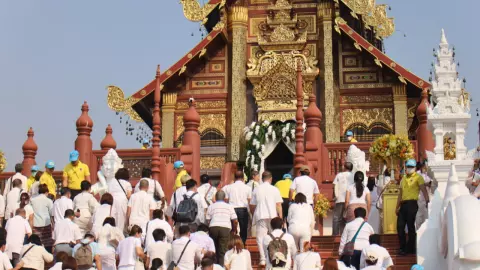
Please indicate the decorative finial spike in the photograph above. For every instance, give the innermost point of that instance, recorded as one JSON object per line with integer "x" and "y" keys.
{"x": 443, "y": 40}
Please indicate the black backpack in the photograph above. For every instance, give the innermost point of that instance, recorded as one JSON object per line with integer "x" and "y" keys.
{"x": 187, "y": 210}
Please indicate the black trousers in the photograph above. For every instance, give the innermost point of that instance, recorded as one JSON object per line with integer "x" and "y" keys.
{"x": 242, "y": 217}
{"x": 75, "y": 192}
{"x": 221, "y": 237}
{"x": 406, "y": 216}
{"x": 285, "y": 205}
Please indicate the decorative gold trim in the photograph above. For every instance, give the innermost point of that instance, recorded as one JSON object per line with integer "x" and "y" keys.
{"x": 194, "y": 12}
{"x": 367, "y": 117}
{"x": 143, "y": 92}
{"x": 212, "y": 163}
{"x": 202, "y": 105}
{"x": 182, "y": 70}
{"x": 202, "y": 52}
{"x": 207, "y": 121}
{"x": 117, "y": 102}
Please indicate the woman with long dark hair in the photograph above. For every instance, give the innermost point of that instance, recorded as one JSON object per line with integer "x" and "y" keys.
{"x": 374, "y": 215}
{"x": 357, "y": 196}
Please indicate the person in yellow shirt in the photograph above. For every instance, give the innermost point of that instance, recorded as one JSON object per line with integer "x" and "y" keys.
{"x": 74, "y": 174}
{"x": 47, "y": 178}
{"x": 284, "y": 187}
{"x": 349, "y": 136}
{"x": 31, "y": 178}
{"x": 179, "y": 167}
{"x": 410, "y": 186}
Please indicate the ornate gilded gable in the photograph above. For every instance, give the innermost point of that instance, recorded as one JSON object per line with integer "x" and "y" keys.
{"x": 278, "y": 83}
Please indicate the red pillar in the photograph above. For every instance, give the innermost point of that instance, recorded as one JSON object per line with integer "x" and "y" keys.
{"x": 156, "y": 129}
{"x": 299, "y": 147}
{"x": 29, "y": 149}
{"x": 108, "y": 142}
{"x": 191, "y": 138}
{"x": 83, "y": 143}
{"x": 314, "y": 137}
{"x": 424, "y": 136}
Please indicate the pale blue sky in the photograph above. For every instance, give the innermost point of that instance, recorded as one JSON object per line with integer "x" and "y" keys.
{"x": 55, "y": 54}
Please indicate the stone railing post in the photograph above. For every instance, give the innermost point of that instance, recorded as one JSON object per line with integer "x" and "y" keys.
{"x": 83, "y": 143}
{"x": 108, "y": 142}
{"x": 424, "y": 136}
{"x": 314, "y": 138}
{"x": 191, "y": 140}
{"x": 29, "y": 149}
{"x": 156, "y": 129}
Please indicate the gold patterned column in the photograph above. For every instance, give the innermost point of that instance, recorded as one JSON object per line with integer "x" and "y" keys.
{"x": 237, "y": 26}
{"x": 400, "y": 107}
{"x": 168, "y": 123}
{"x": 331, "y": 116}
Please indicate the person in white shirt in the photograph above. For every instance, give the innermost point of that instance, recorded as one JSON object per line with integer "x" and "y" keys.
{"x": 220, "y": 217}
{"x": 18, "y": 175}
{"x": 362, "y": 240}
{"x": 13, "y": 198}
{"x": 109, "y": 236}
{"x": 238, "y": 194}
{"x": 237, "y": 257}
{"x": 154, "y": 188}
{"x": 374, "y": 214}
{"x": 371, "y": 260}
{"x": 177, "y": 196}
{"x": 206, "y": 189}
{"x": 422, "y": 213}
{"x": 2, "y": 209}
{"x": 208, "y": 263}
{"x": 86, "y": 204}
{"x": 61, "y": 205}
{"x": 266, "y": 204}
{"x": 17, "y": 227}
{"x": 66, "y": 233}
{"x": 140, "y": 206}
{"x": 59, "y": 259}
{"x": 42, "y": 208}
{"x": 157, "y": 222}
{"x": 129, "y": 251}
{"x": 33, "y": 254}
{"x": 357, "y": 196}
{"x": 252, "y": 184}
{"x": 4, "y": 260}
{"x": 192, "y": 253}
{"x": 102, "y": 212}
{"x": 308, "y": 259}
{"x": 277, "y": 225}
{"x": 159, "y": 249}
{"x": 384, "y": 258}
{"x": 340, "y": 186}
{"x": 202, "y": 239}
{"x": 191, "y": 186}
{"x": 306, "y": 185}
{"x": 121, "y": 190}
{"x": 25, "y": 204}
{"x": 301, "y": 221}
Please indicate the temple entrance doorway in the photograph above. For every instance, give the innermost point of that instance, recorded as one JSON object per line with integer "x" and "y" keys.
{"x": 279, "y": 162}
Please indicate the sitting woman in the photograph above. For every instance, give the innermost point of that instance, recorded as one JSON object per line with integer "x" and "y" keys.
{"x": 237, "y": 258}
{"x": 357, "y": 196}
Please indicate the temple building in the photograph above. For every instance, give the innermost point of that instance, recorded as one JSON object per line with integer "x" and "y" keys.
{"x": 244, "y": 71}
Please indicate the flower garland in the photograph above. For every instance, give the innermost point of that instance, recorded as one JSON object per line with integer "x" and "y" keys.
{"x": 259, "y": 134}
{"x": 322, "y": 207}
{"x": 391, "y": 147}
{"x": 3, "y": 161}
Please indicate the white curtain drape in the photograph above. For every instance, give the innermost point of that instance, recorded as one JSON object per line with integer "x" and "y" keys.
{"x": 270, "y": 147}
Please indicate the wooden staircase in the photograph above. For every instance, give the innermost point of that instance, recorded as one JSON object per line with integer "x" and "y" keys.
{"x": 327, "y": 246}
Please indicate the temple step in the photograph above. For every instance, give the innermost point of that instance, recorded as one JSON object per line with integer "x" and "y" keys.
{"x": 327, "y": 247}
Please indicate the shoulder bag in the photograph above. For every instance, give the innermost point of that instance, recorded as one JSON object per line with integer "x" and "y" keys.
{"x": 120, "y": 184}
{"x": 350, "y": 246}
{"x": 174, "y": 265}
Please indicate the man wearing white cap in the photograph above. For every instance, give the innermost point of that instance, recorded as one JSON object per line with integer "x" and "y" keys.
{"x": 74, "y": 173}
{"x": 306, "y": 185}
{"x": 384, "y": 259}
{"x": 371, "y": 260}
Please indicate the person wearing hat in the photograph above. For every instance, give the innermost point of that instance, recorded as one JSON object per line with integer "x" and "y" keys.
{"x": 284, "y": 188}
{"x": 31, "y": 179}
{"x": 349, "y": 137}
{"x": 306, "y": 185}
{"x": 74, "y": 173}
{"x": 18, "y": 175}
{"x": 179, "y": 167}
{"x": 417, "y": 267}
{"x": 407, "y": 206}
{"x": 47, "y": 178}
{"x": 384, "y": 259}
{"x": 371, "y": 259}
{"x": 89, "y": 240}
{"x": 145, "y": 143}
{"x": 177, "y": 195}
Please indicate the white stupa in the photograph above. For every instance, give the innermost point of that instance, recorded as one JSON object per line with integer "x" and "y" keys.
{"x": 449, "y": 118}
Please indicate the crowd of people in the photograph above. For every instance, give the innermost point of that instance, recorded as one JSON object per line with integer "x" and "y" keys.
{"x": 204, "y": 226}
